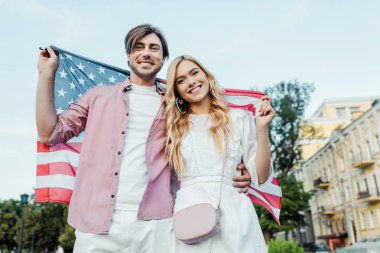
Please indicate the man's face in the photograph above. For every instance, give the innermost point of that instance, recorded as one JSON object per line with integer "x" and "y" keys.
{"x": 146, "y": 58}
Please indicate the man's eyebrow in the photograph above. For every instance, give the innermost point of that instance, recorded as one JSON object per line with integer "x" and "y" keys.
{"x": 154, "y": 44}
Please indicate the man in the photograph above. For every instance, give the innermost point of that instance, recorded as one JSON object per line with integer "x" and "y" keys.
{"x": 123, "y": 193}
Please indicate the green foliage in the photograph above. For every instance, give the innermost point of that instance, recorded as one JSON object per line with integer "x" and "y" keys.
{"x": 282, "y": 246}
{"x": 44, "y": 223}
{"x": 289, "y": 101}
{"x": 10, "y": 213}
{"x": 67, "y": 237}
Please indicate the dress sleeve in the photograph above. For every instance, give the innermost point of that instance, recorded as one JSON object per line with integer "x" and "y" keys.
{"x": 72, "y": 121}
{"x": 249, "y": 144}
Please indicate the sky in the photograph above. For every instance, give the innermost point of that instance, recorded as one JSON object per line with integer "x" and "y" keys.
{"x": 333, "y": 44}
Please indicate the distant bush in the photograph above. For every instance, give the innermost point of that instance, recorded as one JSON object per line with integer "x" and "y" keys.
{"x": 282, "y": 246}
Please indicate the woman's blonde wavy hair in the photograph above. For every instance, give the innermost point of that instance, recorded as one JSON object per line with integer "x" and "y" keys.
{"x": 177, "y": 124}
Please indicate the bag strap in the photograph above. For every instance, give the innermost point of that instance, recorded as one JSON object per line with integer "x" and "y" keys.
{"x": 223, "y": 166}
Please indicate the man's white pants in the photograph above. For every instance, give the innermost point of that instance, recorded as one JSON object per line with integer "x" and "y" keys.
{"x": 127, "y": 235}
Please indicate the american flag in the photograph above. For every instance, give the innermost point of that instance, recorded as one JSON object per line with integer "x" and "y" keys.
{"x": 56, "y": 165}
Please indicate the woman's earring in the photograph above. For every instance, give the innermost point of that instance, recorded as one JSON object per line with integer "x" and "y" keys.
{"x": 178, "y": 102}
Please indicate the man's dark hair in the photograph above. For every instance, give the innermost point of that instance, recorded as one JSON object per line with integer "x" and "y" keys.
{"x": 137, "y": 33}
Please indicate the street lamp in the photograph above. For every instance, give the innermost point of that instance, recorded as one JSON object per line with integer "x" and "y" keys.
{"x": 24, "y": 201}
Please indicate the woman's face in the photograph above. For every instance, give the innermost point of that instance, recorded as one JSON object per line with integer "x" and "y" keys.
{"x": 191, "y": 83}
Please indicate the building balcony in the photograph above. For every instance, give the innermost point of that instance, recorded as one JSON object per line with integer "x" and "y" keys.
{"x": 333, "y": 235}
{"x": 363, "y": 163}
{"x": 321, "y": 183}
{"x": 326, "y": 210}
{"x": 370, "y": 197}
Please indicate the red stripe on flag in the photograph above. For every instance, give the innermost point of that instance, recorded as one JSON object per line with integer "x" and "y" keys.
{"x": 68, "y": 146}
{"x": 56, "y": 168}
{"x": 275, "y": 181}
{"x": 246, "y": 93}
{"x": 273, "y": 200}
{"x": 258, "y": 201}
{"x": 42, "y": 147}
{"x": 59, "y": 195}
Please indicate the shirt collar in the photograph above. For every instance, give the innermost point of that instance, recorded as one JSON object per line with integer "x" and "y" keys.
{"x": 160, "y": 87}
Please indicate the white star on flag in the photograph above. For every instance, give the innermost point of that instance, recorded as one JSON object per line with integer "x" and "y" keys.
{"x": 63, "y": 74}
{"x": 72, "y": 86}
{"x": 59, "y": 110}
{"x": 112, "y": 79}
{"x": 72, "y": 70}
{"x": 101, "y": 83}
{"x": 81, "y": 81}
{"x": 101, "y": 70}
{"x": 91, "y": 76}
{"x": 61, "y": 92}
{"x": 80, "y": 66}
{"x": 68, "y": 56}
{"x": 70, "y": 102}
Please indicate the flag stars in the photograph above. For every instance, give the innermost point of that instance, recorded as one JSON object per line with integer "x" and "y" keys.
{"x": 68, "y": 56}
{"x": 72, "y": 86}
{"x": 112, "y": 79}
{"x": 79, "y": 95}
{"x": 70, "y": 102}
{"x": 80, "y": 66}
{"x": 91, "y": 76}
{"x": 59, "y": 110}
{"x": 61, "y": 93}
{"x": 72, "y": 70}
{"x": 101, "y": 70}
{"x": 63, "y": 74}
{"x": 81, "y": 81}
{"x": 101, "y": 83}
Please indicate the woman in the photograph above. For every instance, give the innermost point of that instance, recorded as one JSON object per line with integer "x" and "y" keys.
{"x": 200, "y": 126}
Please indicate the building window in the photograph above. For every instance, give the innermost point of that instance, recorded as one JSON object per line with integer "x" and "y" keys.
{"x": 369, "y": 150}
{"x": 362, "y": 220}
{"x": 376, "y": 184}
{"x": 341, "y": 112}
{"x": 360, "y": 153}
{"x": 352, "y": 154}
{"x": 354, "y": 109}
{"x": 378, "y": 142}
{"x": 371, "y": 220}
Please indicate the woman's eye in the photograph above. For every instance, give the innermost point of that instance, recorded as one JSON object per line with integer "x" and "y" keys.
{"x": 195, "y": 72}
{"x": 180, "y": 81}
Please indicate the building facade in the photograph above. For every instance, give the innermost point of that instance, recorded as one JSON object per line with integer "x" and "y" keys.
{"x": 345, "y": 175}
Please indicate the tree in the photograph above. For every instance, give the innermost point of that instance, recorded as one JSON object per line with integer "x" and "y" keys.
{"x": 289, "y": 101}
{"x": 46, "y": 221}
{"x": 10, "y": 213}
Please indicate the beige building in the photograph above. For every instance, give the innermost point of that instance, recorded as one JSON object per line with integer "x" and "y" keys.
{"x": 331, "y": 115}
{"x": 344, "y": 172}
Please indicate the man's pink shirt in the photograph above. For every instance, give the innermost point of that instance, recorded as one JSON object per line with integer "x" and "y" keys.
{"x": 103, "y": 113}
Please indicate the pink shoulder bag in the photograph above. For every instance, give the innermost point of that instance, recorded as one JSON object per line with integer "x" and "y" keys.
{"x": 199, "y": 222}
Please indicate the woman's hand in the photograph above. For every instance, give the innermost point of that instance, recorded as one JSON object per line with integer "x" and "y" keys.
{"x": 265, "y": 113}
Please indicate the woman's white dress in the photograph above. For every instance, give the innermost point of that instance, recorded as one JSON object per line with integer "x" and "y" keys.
{"x": 240, "y": 228}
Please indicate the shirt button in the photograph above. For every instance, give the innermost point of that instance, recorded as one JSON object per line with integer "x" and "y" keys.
{"x": 112, "y": 196}
{"x": 116, "y": 173}
{"x": 123, "y": 132}
{"x": 119, "y": 153}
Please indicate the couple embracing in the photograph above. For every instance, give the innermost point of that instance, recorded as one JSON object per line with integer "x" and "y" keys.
{"x": 141, "y": 138}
